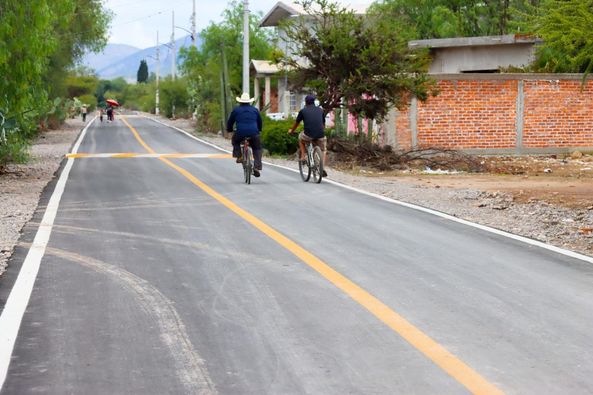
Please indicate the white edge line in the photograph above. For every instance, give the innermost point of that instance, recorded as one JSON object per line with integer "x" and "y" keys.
{"x": 16, "y": 304}
{"x": 499, "y": 232}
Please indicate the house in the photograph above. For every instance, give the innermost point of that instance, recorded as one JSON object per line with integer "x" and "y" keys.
{"x": 487, "y": 54}
{"x": 288, "y": 101}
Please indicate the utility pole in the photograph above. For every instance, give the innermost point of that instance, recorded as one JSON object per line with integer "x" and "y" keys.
{"x": 158, "y": 69}
{"x": 173, "y": 60}
{"x": 193, "y": 26}
{"x": 246, "y": 46}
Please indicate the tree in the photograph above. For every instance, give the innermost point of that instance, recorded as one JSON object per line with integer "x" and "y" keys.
{"x": 79, "y": 26}
{"x": 565, "y": 27}
{"x": 142, "y": 75}
{"x": 454, "y": 18}
{"x": 39, "y": 41}
{"x": 360, "y": 63}
{"x": 211, "y": 84}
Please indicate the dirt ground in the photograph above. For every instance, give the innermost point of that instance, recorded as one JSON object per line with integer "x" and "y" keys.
{"x": 560, "y": 180}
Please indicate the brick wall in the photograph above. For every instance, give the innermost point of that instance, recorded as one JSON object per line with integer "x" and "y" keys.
{"x": 558, "y": 114}
{"x": 501, "y": 113}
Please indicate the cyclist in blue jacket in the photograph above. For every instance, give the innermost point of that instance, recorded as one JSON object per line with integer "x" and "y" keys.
{"x": 249, "y": 124}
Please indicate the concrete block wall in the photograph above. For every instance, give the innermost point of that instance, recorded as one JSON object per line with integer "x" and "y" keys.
{"x": 500, "y": 114}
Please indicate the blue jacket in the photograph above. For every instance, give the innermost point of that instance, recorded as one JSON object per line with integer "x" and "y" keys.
{"x": 248, "y": 120}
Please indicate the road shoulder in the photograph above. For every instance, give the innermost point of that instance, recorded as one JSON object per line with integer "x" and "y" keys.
{"x": 22, "y": 184}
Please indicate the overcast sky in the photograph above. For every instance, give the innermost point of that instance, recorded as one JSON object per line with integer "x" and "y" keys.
{"x": 136, "y": 22}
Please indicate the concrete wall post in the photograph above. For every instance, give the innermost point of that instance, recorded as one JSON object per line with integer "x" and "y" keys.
{"x": 520, "y": 110}
{"x": 414, "y": 121}
{"x": 256, "y": 92}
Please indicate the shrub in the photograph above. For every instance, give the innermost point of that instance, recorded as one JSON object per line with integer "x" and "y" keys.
{"x": 174, "y": 93}
{"x": 14, "y": 149}
{"x": 89, "y": 100}
{"x": 275, "y": 137}
{"x": 209, "y": 117}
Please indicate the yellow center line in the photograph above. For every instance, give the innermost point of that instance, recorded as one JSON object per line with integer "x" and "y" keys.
{"x": 456, "y": 368}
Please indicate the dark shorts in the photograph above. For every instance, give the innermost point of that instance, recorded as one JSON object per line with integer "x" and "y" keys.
{"x": 318, "y": 142}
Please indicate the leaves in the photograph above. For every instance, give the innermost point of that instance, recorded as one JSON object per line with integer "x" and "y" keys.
{"x": 565, "y": 27}
{"x": 142, "y": 75}
{"x": 211, "y": 85}
{"x": 361, "y": 63}
{"x": 39, "y": 41}
{"x": 454, "y": 18}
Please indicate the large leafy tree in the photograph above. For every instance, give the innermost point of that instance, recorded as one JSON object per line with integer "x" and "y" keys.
{"x": 24, "y": 56}
{"x": 39, "y": 41}
{"x": 361, "y": 63}
{"x": 79, "y": 26}
{"x": 455, "y": 18}
{"x": 565, "y": 27}
{"x": 214, "y": 71}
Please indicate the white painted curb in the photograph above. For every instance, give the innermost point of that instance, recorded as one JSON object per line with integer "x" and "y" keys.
{"x": 16, "y": 304}
{"x": 499, "y": 232}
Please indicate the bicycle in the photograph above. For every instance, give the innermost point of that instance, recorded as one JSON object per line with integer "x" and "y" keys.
{"x": 247, "y": 159}
{"x": 313, "y": 164}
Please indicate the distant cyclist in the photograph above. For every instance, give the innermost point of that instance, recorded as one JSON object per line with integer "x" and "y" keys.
{"x": 314, "y": 128}
{"x": 249, "y": 124}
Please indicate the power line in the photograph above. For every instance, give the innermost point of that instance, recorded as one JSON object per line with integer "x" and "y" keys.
{"x": 138, "y": 19}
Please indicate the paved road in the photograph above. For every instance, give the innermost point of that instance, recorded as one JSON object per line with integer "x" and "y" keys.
{"x": 172, "y": 276}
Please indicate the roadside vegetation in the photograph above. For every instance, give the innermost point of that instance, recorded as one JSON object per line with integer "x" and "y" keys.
{"x": 41, "y": 40}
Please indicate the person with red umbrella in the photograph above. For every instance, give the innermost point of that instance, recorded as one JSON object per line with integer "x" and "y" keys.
{"x": 112, "y": 103}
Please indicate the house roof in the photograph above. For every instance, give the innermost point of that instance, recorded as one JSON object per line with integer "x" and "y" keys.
{"x": 279, "y": 12}
{"x": 474, "y": 41}
{"x": 285, "y": 9}
{"x": 263, "y": 67}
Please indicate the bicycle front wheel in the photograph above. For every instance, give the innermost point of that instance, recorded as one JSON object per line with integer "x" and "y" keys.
{"x": 317, "y": 165}
{"x": 248, "y": 164}
{"x": 305, "y": 169}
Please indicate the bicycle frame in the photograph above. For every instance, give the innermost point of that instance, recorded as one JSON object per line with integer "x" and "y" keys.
{"x": 247, "y": 162}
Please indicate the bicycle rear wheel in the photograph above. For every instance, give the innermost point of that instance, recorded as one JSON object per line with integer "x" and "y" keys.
{"x": 305, "y": 169}
{"x": 247, "y": 164}
{"x": 317, "y": 165}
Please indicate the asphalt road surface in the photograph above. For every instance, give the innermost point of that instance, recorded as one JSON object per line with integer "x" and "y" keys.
{"x": 166, "y": 274}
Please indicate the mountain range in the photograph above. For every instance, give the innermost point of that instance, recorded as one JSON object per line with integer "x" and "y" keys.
{"x": 120, "y": 60}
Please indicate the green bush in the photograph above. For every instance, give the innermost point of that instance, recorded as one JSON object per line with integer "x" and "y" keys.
{"x": 174, "y": 93}
{"x": 139, "y": 97}
{"x": 275, "y": 137}
{"x": 14, "y": 149}
{"x": 90, "y": 101}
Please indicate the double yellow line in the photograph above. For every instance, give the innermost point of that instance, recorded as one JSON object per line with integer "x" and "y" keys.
{"x": 457, "y": 369}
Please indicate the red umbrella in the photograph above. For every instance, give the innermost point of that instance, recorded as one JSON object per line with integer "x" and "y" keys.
{"x": 113, "y": 102}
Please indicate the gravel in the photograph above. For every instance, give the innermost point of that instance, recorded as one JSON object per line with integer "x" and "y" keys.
{"x": 21, "y": 187}
{"x": 21, "y": 184}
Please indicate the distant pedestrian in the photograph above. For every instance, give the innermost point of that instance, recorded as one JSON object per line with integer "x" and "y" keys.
{"x": 101, "y": 114}
{"x": 110, "y": 113}
{"x": 83, "y": 111}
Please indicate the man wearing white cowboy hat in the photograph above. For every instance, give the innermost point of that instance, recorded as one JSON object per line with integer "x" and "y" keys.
{"x": 249, "y": 124}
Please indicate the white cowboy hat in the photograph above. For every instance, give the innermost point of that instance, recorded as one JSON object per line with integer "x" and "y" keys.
{"x": 245, "y": 98}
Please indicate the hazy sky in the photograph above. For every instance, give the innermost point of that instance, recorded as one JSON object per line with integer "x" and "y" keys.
{"x": 136, "y": 21}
